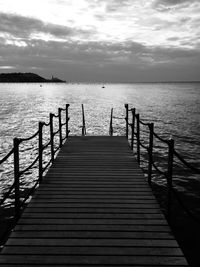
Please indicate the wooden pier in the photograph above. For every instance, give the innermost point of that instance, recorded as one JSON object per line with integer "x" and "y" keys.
{"x": 93, "y": 208}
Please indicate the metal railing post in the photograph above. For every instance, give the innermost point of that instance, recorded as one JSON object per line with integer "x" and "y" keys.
{"x": 51, "y": 136}
{"x": 150, "y": 151}
{"x": 126, "y": 119}
{"x": 60, "y": 126}
{"x": 138, "y": 137}
{"x": 16, "y": 142}
{"x": 169, "y": 175}
{"x": 67, "y": 121}
{"x": 40, "y": 151}
{"x": 132, "y": 127}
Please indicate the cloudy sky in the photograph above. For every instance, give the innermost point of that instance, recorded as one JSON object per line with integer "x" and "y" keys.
{"x": 102, "y": 40}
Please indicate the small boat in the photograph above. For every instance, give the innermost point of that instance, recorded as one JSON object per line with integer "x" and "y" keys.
{"x": 103, "y": 86}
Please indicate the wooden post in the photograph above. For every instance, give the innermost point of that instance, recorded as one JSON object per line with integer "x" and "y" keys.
{"x": 169, "y": 175}
{"x": 83, "y": 118}
{"x": 132, "y": 127}
{"x": 51, "y": 137}
{"x": 138, "y": 137}
{"x": 151, "y": 129}
{"x": 40, "y": 151}
{"x": 126, "y": 119}
{"x": 60, "y": 126}
{"x": 67, "y": 121}
{"x": 111, "y": 119}
{"x": 16, "y": 142}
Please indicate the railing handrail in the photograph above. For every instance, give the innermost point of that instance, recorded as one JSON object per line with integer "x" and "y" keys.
{"x": 7, "y": 156}
{"x": 28, "y": 138}
{"x": 15, "y": 151}
{"x": 187, "y": 164}
{"x": 160, "y": 138}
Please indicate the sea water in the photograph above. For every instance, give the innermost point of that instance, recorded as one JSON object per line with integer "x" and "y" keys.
{"x": 173, "y": 107}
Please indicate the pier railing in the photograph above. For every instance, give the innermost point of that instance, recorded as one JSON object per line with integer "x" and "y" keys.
{"x": 149, "y": 146}
{"x": 42, "y": 167}
{"x": 133, "y": 125}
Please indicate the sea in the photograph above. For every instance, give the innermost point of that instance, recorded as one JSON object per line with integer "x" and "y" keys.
{"x": 174, "y": 108}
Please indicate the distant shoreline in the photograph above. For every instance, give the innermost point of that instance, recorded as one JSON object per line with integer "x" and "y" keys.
{"x": 35, "y": 78}
{"x": 26, "y": 78}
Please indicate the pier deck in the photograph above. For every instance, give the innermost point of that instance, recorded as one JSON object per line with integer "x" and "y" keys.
{"x": 93, "y": 208}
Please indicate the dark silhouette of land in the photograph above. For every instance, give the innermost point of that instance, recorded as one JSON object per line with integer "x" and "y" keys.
{"x": 26, "y": 78}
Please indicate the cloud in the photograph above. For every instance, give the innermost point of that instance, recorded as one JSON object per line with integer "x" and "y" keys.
{"x": 18, "y": 26}
{"x": 168, "y": 5}
{"x": 100, "y": 61}
{"x": 7, "y": 67}
{"x": 90, "y": 54}
{"x": 174, "y": 2}
{"x": 24, "y": 27}
{"x": 94, "y": 54}
{"x": 117, "y": 5}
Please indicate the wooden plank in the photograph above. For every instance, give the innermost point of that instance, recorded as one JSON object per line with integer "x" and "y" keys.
{"x": 95, "y": 183}
{"x": 58, "y": 186}
{"x": 54, "y": 215}
{"x": 110, "y": 242}
{"x": 105, "y": 197}
{"x": 92, "y": 227}
{"x": 91, "y": 221}
{"x": 92, "y": 205}
{"x": 91, "y": 192}
{"x": 95, "y": 189}
{"x": 97, "y": 201}
{"x": 93, "y": 210}
{"x": 91, "y": 234}
{"x": 94, "y": 260}
{"x": 129, "y": 251}
{"x": 78, "y": 265}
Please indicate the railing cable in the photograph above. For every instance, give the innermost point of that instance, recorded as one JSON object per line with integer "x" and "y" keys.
{"x": 7, "y": 156}
{"x": 194, "y": 169}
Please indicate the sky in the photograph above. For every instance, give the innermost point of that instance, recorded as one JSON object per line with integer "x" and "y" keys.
{"x": 102, "y": 40}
